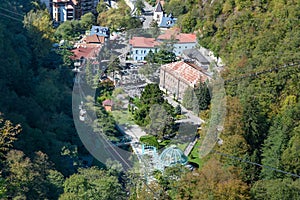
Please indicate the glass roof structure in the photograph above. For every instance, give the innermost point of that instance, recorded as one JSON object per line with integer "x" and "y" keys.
{"x": 172, "y": 156}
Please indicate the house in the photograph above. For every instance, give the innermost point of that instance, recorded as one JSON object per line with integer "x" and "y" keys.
{"x": 100, "y": 31}
{"x": 141, "y": 46}
{"x": 86, "y": 53}
{"x": 163, "y": 20}
{"x": 176, "y": 77}
{"x": 194, "y": 54}
{"x": 107, "y": 104}
{"x": 181, "y": 41}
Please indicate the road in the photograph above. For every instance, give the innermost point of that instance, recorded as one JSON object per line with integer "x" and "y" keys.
{"x": 148, "y": 18}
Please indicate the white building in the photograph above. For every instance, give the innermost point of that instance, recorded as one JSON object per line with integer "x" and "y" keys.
{"x": 63, "y": 10}
{"x": 181, "y": 41}
{"x": 140, "y": 47}
{"x": 158, "y": 13}
{"x": 163, "y": 19}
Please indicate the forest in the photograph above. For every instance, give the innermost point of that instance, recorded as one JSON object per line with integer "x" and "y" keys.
{"x": 259, "y": 158}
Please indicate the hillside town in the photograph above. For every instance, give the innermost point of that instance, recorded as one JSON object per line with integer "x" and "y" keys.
{"x": 176, "y": 65}
{"x": 149, "y": 99}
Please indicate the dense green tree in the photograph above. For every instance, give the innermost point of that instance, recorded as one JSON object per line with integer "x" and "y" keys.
{"x": 150, "y": 57}
{"x": 87, "y": 20}
{"x": 152, "y": 95}
{"x": 175, "y": 7}
{"x": 8, "y": 133}
{"x": 92, "y": 183}
{"x": 149, "y": 140}
{"x": 203, "y": 95}
{"x": 101, "y": 7}
{"x": 114, "y": 66}
{"x": 188, "y": 98}
{"x": 161, "y": 122}
{"x": 187, "y": 23}
{"x": 281, "y": 133}
{"x": 118, "y": 18}
{"x": 164, "y": 57}
{"x": 70, "y": 30}
{"x": 139, "y": 5}
{"x": 212, "y": 181}
{"x": 276, "y": 189}
{"x": 149, "y": 102}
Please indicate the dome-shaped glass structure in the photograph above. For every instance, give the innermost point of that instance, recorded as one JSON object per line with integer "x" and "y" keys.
{"x": 172, "y": 156}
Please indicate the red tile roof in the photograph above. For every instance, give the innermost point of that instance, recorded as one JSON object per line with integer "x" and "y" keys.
{"x": 95, "y": 39}
{"x": 143, "y": 42}
{"x": 180, "y": 37}
{"x": 85, "y": 52}
{"x": 187, "y": 72}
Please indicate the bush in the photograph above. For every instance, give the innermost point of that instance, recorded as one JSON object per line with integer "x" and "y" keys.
{"x": 149, "y": 140}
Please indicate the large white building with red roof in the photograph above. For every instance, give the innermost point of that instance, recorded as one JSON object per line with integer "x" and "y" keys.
{"x": 176, "y": 77}
{"x": 140, "y": 46}
{"x": 182, "y": 41}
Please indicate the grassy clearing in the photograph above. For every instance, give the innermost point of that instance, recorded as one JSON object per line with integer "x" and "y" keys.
{"x": 194, "y": 155}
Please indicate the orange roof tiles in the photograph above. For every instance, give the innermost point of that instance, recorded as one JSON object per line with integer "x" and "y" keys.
{"x": 85, "y": 52}
{"x": 187, "y": 72}
{"x": 181, "y": 37}
{"x": 94, "y": 39}
{"x": 143, "y": 42}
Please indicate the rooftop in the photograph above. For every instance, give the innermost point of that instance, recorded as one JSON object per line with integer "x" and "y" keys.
{"x": 158, "y": 7}
{"x": 195, "y": 54}
{"x": 107, "y": 102}
{"x": 143, "y": 42}
{"x": 188, "y": 72}
{"x": 167, "y": 22}
{"x": 100, "y": 30}
{"x": 181, "y": 37}
{"x": 85, "y": 51}
{"x": 95, "y": 39}
{"x": 172, "y": 156}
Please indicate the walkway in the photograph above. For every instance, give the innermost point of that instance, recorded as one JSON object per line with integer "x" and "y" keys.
{"x": 191, "y": 117}
{"x": 190, "y": 147}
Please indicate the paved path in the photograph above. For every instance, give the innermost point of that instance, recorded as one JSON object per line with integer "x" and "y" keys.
{"x": 189, "y": 148}
{"x": 148, "y": 18}
{"x": 191, "y": 117}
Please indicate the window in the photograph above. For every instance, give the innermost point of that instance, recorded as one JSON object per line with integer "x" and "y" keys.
{"x": 136, "y": 51}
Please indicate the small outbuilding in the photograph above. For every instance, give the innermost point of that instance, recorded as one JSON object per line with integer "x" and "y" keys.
{"x": 107, "y": 104}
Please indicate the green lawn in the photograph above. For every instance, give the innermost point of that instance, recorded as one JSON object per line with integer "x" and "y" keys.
{"x": 182, "y": 146}
{"x": 194, "y": 155}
